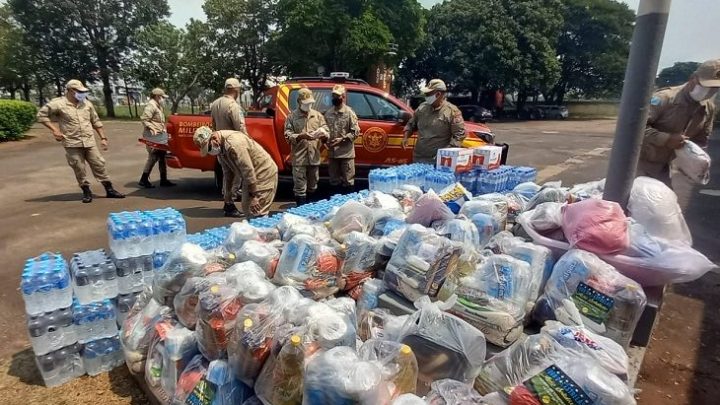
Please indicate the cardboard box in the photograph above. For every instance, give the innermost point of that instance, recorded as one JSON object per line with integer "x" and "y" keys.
{"x": 487, "y": 157}
{"x": 456, "y": 160}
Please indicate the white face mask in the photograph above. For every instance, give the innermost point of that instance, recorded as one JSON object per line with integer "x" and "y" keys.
{"x": 214, "y": 149}
{"x": 305, "y": 107}
{"x": 80, "y": 97}
{"x": 431, "y": 99}
{"x": 700, "y": 93}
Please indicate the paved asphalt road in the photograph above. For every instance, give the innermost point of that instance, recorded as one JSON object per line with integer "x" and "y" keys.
{"x": 41, "y": 210}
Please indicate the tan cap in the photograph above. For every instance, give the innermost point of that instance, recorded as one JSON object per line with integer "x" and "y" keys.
{"x": 77, "y": 86}
{"x": 232, "y": 83}
{"x": 202, "y": 139}
{"x": 158, "y": 92}
{"x": 338, "y": 89}
{"x": 305, "y": 96}
{"x": 709, "y": 73}
{"x": 434, "y": 85}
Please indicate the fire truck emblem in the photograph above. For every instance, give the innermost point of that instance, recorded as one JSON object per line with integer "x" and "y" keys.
{"x": 374, "y": 140}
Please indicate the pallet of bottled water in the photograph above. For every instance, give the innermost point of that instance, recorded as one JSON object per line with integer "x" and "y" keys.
{"x": 97, "y": 320}
{"x": 103, "y": 355}
{"x": 45, "y": 284}
{"x": 94, "y": 276}
{"x": 141, "y": 233}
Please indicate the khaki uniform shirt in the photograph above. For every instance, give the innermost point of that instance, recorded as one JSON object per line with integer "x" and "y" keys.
{"x": 304, "y": 152}
{"x": 673, "y": 111}
{"x": 77, "y": 123}
{"x": 437, "y": 128}
{"x": 343, "y": 124}
{"x": 153, "y": 118}
{"x": 246, "y": 158}
{"x": 227, "y": 114}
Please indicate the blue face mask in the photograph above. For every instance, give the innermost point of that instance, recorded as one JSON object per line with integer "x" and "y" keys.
{"x": 80, "y": 97}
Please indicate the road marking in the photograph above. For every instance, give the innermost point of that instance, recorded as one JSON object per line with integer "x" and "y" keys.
{"x": 550, "y": 132}
{"x": 554, "y": 170}
{"x": 712, "y": 193}
{"x": 34, "y": 215}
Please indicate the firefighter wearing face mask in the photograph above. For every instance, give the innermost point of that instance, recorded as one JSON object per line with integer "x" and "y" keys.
{"x": 438, "y": 122}
{"x": 72, "y": 120}
{"x": 240, "y": 156}
{"x": 678, "y": 114}
{"x": 153, "y": 119}
{"x": 305, "y": 128}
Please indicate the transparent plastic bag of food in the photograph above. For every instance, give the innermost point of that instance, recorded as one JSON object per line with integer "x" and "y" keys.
{"x": 187, "y": 261}
{"x": 444, "y": 345}
{"x": 351, "y": 217}
{"x": 655, "y": 206}
{"x": 584, "y": 290}
{"x": 397, "y": 362}
{"x": 310, "y": 266}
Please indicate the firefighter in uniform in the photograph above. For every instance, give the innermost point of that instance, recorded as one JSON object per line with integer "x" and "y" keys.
{"x": 678, "y": 114}
{"x": 305, "y": 128}
{"x": 72, "y": 120}
{"x": 344, "y": 129}
{"x": 240, "y": 156}
{"x": 226, "y": 114}
{"x": 438, "y": 122}
{"x": 153, "y": 119}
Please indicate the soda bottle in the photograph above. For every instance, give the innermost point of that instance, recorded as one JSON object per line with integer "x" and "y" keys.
{"x": 288, "y": 374}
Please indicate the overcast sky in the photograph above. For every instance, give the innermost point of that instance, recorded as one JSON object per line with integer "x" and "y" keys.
{"x": 692, "y": 33}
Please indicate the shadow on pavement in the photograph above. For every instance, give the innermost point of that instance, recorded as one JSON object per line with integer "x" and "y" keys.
{"x": 22, "y": 366}
{"x": 186, "y": 188}
{"x": 204, "y": 212}
{"x": 60, "y": 197}
{"x": 703, "y": 217}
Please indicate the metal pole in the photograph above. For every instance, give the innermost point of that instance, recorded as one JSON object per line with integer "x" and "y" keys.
{"x": 639, "y": 84}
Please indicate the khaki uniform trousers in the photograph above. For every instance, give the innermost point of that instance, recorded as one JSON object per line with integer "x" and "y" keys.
{"x": 305, "y": 179}
{"x": 342, "y": 172}
{"x": 266, "y": 197}
{"x": 76, "y": 158}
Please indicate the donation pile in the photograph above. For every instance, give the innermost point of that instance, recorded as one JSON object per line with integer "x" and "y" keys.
{"x": 415, "y": 292}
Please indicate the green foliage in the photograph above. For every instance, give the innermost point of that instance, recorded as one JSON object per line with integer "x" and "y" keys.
{"x": 16, "y": 117}
{"x": 167, "y": 57}
{"x": 238, "y": 34}
{"x": 345, "y": 35}
{"x": 477, "y": 44}
{"x": 593, "y": 48}
{"x": 677, "y": 74}
{"x": 90, "y": 34}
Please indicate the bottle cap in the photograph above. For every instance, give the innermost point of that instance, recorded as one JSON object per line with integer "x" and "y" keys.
{"x": 247, "y": 323}
{"x": 405, "y": 350}
{"x": 295, "y": 340}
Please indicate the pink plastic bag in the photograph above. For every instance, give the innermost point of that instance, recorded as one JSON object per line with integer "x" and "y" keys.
{"x": 597, "y": 226}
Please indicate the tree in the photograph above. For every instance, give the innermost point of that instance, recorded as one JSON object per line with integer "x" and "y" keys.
{"x": 104, "y": 29}
{"x": 167, "y": 57}
{"x": 347, "y": 35}
{"x": 593, "y": 48}
{"x": 677, "y": 74}
{"x": 238, "y": 38}
{"x": 536, "y": 26}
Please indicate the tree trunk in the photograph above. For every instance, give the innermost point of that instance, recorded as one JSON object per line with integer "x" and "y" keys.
{"x": 12, "y": 93}
{"x": 560, "y": 97}
{"x": 129, "y": 101}
{"x": 474, "y": 94}
{"x": 108, "y": 92}
{"x": 192, "y": 106}
{"x": 175, "y": 105}
{"x": 26, "y": 91}
{"x": 58, "y": 87}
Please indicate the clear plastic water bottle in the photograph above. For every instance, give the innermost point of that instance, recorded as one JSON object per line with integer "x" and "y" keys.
{"x": 61, "y": 366}
{"x": 51, "y": 331}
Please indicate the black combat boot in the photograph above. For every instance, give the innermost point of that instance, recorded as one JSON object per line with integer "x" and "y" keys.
{"x": 164, "y": 182}
{"x": 110, "y": 191}
{"x": 300, "y": 200}
{"x": 347, "y": 189}
{"x": 87, "y": 194}
{"x": 145, "y": 182}
{"x": 232, "y": 211}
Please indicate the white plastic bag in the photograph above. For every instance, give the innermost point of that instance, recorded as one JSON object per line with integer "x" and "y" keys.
{"x": 584, "y": 290}
{"x": 693, "y": 162}
{"x": 547, "y": 216}
{"x": 445, "y": 345}
{"x": 351, "y": 217}
{"x": 654, "y": 205}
